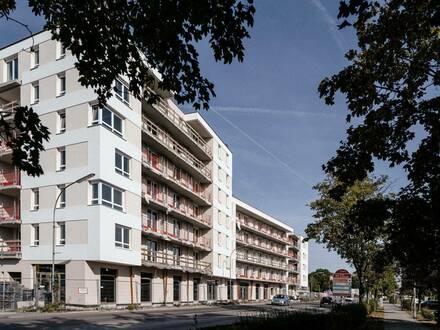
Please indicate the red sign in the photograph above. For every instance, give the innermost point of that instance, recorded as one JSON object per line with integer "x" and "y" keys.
{"x": 342, "y": 283}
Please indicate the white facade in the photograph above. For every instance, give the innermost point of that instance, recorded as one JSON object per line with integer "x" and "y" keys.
{"x": 304, "y": 264}
{"x": 157, "y": 220}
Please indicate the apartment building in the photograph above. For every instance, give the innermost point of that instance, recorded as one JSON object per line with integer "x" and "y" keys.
{"x": 303, "y": 266}
{"x": 155, "y": 223}
{"x": 265, "y": 264}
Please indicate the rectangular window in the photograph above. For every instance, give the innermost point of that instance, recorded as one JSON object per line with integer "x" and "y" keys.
{"x": 106, "y": 194}
{"x": 35, "y": 199}
{"x": 35, "y": 235}
{"x": 122, "y": 164}
{"x": 122, "y": 92}
{"x": 35, "y": 97}
{"x": 61, "y": 84}
{"x": 61, "y": 159}
{"x": 61, "y": 50}
{"x": 108, "y": 118}
{"x": 61, "y": 233}
{"x": 12, "y": 66}
{"x": 61, "y": 121}
{"x": 122, "y": 237}
{"x": 35, "y": 58}
{"x": 62, "y": 193}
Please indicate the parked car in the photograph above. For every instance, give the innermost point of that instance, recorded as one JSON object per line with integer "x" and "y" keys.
{"x": 280, "y": 299}
{"x": 430, "y": 304}
{"x": 292, "y": 299}
{"x": 326, "y": 301}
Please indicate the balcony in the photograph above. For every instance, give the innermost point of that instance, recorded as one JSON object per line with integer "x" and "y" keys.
{"x": 292, "y": 281}
{"x": 184, "y": 210}
{"x": 254, "y": 260}
{"x": 262, "y": 230}
{"x": 10, "y": 249}
{"x": 293, "y": 268}
{"x": 160, "y": 139}
{"x": 163, "y": 260}
{"x": 292, "y": 255}
{"x": 162, "y": 113}
{"x": 264, "y": 278}
{"x": 182, "y": 237}
{"x": 164, "y": 171}
{"x": 10, "y": 182}
{"x": 10, "y": 213}
{"x": 261, "y": 247}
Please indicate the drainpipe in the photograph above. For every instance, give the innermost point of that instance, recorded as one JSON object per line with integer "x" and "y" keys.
{"x": 131, "y": 284}
{"x": 165, "y": 280}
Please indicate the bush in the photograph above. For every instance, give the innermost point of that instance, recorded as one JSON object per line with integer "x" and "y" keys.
{"x": 341, "y": 317}
{"x": 372, "y": 306}
{"x": 52, "y": 307}
{"x": 428, "y": 314}
{"x": 407, "y": 304}
{"x": 132, "y": 307}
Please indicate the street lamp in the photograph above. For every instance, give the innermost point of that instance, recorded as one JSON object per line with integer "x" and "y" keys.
{"x": 62, "y": 190}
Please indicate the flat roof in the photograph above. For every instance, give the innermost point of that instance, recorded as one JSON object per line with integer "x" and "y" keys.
{"x": 260, "y": 215}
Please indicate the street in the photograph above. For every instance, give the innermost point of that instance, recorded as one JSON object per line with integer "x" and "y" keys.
{"x": 153, "y": 318}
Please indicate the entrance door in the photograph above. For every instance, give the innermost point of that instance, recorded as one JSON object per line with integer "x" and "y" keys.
{"x": 108, "y": 285}
{"x": 257, "y": 291}
{"x": 176, "y": 287}
{"x": 43, "y": 279}
{"x": 146, "y": 287}
{"x": 244, "y": 291}
{"x": 196, "y": 283}
{"x": 265, "y": 292}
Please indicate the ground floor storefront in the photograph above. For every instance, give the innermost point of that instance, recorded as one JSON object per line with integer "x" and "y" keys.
{"x": 86, "y": 283}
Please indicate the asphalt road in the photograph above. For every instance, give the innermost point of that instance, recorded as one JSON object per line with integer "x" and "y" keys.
{"x": 154, "y": 318}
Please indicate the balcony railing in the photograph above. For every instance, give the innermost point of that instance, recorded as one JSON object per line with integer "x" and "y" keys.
{"x": 266, "y": 247}
{"x": 185, "y": 181}
{"x": 7, "y": 110}
{"x": 10, "y": 249}
{"x": 171, "y": 261}
{"x": 168, "y": 142}
{"x": 185, "y": 209}
{"x": 267, "y": 278}
{"x": 292, "y": 255}
{"x": 10, "y": 213}
{"x": 262, "y": 229}
{"x": 9, "y": 177}
{"x": 173, "y": 117}
{"x": 160, "y": 228}
{"x": 261, "y": 261}
{"x": 292, "y": 268}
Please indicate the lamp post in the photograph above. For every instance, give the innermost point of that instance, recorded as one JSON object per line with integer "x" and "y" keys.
{"x": 52, "y": 277}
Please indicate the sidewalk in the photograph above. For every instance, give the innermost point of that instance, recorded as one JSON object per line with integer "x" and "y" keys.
{"x": 396, "y": 319}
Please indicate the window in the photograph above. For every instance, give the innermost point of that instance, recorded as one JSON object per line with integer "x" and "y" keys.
{"x": 61, "y": 233}
{"x": 61, "y": 121}
{"x": 35, "y": 199}
{"x": 176, "y": 228}
{"x": 106, "y": 194}
{"x": 35, "y": 58}
{"x": 61, "y": 84}
{"x": 35, "y": 97}
{"x": 108, "y": 118}
{"x": 122, "y": 91}
{"x": 122, "y": 164}
{"x": 61, "y": 50}
{"x": 12, "y": 67}
{"x": 35, "y": 235}
{"x": 62, "y": 193}
{"x": 122, "y": 237}
{"x": 61, "y": 159}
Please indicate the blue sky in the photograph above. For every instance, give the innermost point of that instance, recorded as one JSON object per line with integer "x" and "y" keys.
{"x": 268, "y": 110}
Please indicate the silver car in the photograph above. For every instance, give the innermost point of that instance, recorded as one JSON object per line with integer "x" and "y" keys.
{"x": 280, "y": 299}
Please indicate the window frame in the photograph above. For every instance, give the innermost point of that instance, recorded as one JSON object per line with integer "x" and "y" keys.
{"x": 125, "y": 233}
{"x": 97, "y": 187}
{"x": 61, "y": 190}
{"x": 13, "y": 73}
{"x": 35, "y": 202}
{"x": 61, "y": 121}
{"x": 61, "y": 50}
{"x": 125, "y": 162}
{"x": 124, "y": 93}
{"x": 35, "y": 234}
{"x": 61, "y": 233}
{"x": 35, "y": 58}
{"x": 61, "y": 159}
{"x": 99, "y": 121}
{"x": 61, "y": 82}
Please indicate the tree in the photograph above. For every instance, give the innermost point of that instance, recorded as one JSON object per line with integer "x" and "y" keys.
{"x": 319, "y": 280}
{"x": 391, "y": 88}
{"x": 142, "y": 40}
{"x": 350, "y": 225}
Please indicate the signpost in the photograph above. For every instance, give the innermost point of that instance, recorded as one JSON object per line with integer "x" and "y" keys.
{"x": 342, "y": 283}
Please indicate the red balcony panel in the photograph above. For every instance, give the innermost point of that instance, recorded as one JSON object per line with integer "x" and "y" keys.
{"x": 9, "y": 177}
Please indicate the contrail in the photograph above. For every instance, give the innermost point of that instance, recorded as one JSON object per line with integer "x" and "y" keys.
{"x": 332, "y": 25}
{"x": 293, "y": 171}
{"x": 272, "y": 112}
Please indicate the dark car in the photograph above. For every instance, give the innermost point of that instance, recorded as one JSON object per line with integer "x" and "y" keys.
{"x": 430, "y": 304}
{"x": 326, "y": 301}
